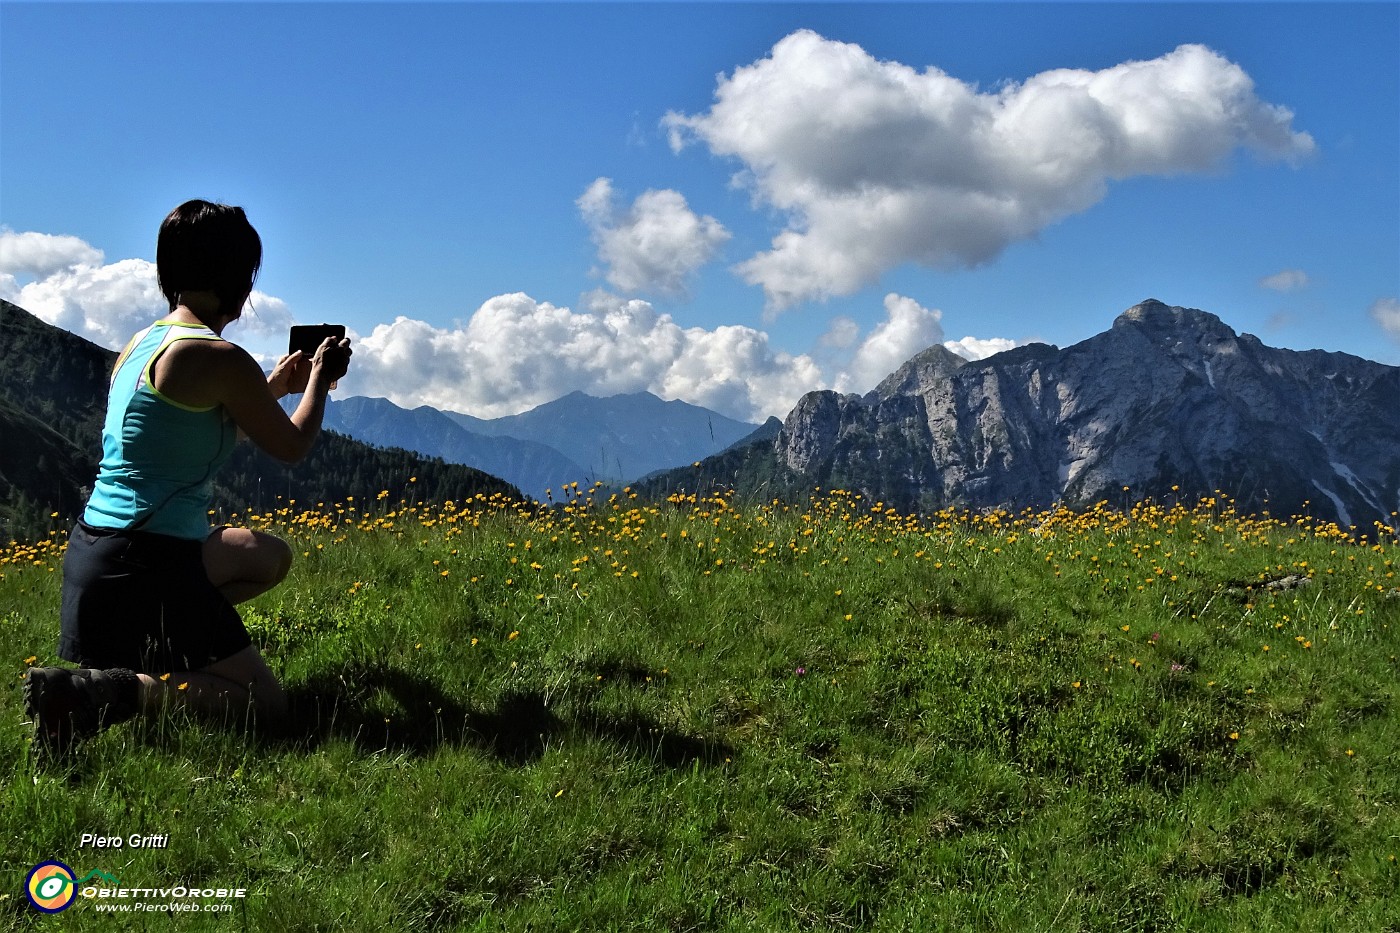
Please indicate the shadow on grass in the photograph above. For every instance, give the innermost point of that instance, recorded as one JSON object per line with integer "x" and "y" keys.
{"x": 399, "y": 711}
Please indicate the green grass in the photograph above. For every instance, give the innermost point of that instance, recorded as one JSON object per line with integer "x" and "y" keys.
{"x": 700, "y": 716}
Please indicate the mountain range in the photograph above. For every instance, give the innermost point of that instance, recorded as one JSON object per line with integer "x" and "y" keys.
{"x": 576, "y": 438}
{"x": 53, "y": 385}
{"x": 1169, "y": 403}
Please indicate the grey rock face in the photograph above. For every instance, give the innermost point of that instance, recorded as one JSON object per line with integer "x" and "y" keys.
{"x": 1167, "y": 397}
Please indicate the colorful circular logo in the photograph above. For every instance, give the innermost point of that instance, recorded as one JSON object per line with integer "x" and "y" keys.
{"x": 50, "y": 887}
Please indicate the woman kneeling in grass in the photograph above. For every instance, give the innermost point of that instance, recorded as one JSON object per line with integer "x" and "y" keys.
{"x": 148, "y": 589}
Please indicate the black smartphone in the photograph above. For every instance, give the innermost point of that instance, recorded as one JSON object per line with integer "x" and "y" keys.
{"x": 308, "y": 337}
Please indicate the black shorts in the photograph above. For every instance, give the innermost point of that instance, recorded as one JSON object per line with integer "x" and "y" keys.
{"x": 144, "y": 601}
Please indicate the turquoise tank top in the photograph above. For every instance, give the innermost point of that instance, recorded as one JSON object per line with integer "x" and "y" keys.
{"x": 158, "y": 456}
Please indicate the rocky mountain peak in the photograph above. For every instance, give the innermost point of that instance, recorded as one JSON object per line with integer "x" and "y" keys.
{"x": 1161, "y": 322}
{"x": 1170, "y": 402}
{"x": 918, "y": 375}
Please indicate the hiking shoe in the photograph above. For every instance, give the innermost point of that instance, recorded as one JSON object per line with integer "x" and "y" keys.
{"x": 69, "y": 704}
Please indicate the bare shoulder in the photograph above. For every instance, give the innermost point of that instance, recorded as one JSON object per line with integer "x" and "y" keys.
{"x": 203, "y": 373}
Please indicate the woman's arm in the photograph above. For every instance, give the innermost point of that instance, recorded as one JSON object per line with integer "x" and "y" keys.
{"x": 221, "y": 373}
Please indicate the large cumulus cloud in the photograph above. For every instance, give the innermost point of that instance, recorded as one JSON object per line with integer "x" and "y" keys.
{"x": 876, "y": 164}
{"x": 515, "y": 352}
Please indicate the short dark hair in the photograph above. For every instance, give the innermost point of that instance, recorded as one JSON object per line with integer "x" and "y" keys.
{"x": 205, "y": 246}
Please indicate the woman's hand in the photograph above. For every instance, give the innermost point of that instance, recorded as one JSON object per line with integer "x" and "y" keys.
{"x": 290, "y": 375}
{"x": 332, "y": 359}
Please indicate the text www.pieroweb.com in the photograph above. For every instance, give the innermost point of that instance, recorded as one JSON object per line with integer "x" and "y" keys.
{"x": 177, "y": 907}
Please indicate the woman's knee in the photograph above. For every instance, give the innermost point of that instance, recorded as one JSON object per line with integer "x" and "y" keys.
{"x": 279, "y": 555}
{"x": 233, "y": 554}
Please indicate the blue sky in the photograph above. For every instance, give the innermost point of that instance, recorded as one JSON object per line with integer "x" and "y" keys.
{"x": 726, "y": 203}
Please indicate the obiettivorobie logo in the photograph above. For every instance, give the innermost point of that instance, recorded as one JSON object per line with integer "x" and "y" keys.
{"x": 52, "y": 886}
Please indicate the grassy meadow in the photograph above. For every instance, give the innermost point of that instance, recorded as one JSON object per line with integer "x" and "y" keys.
{"x": 705, "y": 715}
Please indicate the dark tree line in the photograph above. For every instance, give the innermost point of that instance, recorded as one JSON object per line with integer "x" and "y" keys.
{"x": 339, "y": 467}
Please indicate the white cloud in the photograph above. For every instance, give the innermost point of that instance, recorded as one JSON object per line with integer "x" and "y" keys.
{"x": 979, "y": 348}
{"x": 1386, "y": 313}
{"x": 841, "y": 333}
{"x": 733, "y": 370}
{"x": 42, "y": 254}
{"x": 876, "y": 164}
{"x": 515, "y": 353}
{"x": 1288, "y": 280}
{"x": 71, "y": 288}
{"x": 908, "y": 329}
{"x": 104, "y": 303}
{"x": 654, "y": 246}
{"x": 264, "y": 316}
{"x": 107, "y": 303}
